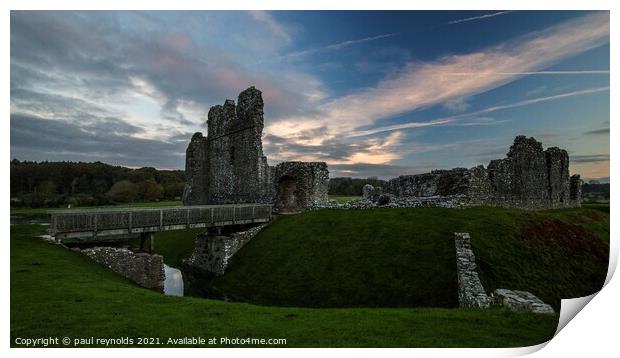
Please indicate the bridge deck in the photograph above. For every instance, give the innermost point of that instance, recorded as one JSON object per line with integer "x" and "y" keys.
{"x": 92, "y": 223}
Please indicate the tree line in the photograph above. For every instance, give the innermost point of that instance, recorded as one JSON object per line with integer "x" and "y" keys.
{"x": 595, "y": 191}
{"x": 56, "y": 184}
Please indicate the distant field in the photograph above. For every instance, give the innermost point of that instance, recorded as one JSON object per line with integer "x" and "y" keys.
{"x": 42, "y": 211}
{"x": 343, "y": 198}
{"x": 57, "y": 292}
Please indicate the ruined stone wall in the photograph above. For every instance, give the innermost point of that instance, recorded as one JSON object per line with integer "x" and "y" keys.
{"x": 228, "y": 166}
{"x": 529, "y": 177}
{"x": 558, "y": 177}
{"x": 480, "y": 191}
{"x": 471, "y": 292}
{"x": 196, "y": 170}
{"x": 212, "y": 253}
{"x": 575, "y": 190}
{"x": 300, "y": 185}
{"x": 437, "y": 182}
{"x": 144, "y": 269}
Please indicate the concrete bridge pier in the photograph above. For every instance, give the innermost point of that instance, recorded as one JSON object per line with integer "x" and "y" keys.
{"x": 147, "y": 238}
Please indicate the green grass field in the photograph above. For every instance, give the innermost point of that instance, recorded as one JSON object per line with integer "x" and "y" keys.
{"x": 406, "y": 258}
{"x": 59, "y": 293}
{"x": 28, "y": 212}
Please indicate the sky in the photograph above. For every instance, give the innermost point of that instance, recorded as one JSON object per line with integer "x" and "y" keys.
{"x": 371, "y": 93}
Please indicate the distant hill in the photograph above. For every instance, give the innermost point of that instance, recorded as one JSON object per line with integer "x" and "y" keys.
{"x": 53, "y": 184}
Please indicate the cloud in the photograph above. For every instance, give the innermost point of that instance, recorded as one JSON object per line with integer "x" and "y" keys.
{"x": 423, "y": 84}
{"x": 335, "y": 150}
{"x": 474, "y": 18}
{"x": 105, "y": 140}
{"x": 275, "y": 27}
{"x": 592, "y": 158}
{"x": 412, "y": 125}
{"x": 144, "y": 79}
{"x": 545, "y": 99}
{"x": 572, "y": 72}
{"x": 153, "y": 71}
{"x": 336, "y": 46}
{"x": 387, "y": 171}
{"x": 453, "y": 120}
{"x": 456, "y": 105}
{"x": 603, "y": 131}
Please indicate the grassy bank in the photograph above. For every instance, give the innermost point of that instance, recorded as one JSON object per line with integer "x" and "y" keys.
{"x": 174, "y": 246}
{"x": 405, "y": 257}
{"x": 59, "y": 293}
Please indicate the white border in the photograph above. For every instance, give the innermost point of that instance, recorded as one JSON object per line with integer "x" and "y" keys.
{"x": 592, "y": 332}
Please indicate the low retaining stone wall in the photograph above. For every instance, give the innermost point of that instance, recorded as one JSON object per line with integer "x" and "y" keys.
{"x": 144, "y": 269}
{"x": 212, "y": 253}
{"x": 471, "y": 292}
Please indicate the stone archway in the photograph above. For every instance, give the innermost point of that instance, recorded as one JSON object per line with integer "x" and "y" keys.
{"x": 287, "y": 199}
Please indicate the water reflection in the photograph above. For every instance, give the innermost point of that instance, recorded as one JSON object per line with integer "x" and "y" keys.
{"x": 173, "y": 284}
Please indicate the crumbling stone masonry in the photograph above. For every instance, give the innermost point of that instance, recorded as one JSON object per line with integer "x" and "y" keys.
{"x": 520, "y": 301}
{"x": 228, "y": 166}
{"x": 471, "y": 292}
{"x": 370, "y": 192}
{"x": 144, "y": 269}
{"x": 196, "y": 171}
{"x": 212, "y": 253}
{"x": 529, "y": 178}
{"x": 300, "y": 185}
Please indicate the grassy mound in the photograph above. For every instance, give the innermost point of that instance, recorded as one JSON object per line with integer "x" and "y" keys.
{"x": 59, "y": 293}
{"x": 405, "y": 257}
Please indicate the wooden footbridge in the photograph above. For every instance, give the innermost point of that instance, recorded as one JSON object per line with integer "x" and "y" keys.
{"x": 93, "y": 224}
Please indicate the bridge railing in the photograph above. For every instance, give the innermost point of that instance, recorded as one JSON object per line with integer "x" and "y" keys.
{"x": 155, "y": 219}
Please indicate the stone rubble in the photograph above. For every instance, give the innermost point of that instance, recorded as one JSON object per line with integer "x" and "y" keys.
{"x": 520, "y": 301}
{"x": 391, "y": 201}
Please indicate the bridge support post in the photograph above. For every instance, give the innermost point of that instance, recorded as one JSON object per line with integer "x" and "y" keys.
{"x": 151, "y": 242}
{"x": 147, "y": 238}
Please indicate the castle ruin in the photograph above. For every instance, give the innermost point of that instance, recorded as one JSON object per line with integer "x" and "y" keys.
{"x": 228, "y": 165}
{"x": 528, "y": 178}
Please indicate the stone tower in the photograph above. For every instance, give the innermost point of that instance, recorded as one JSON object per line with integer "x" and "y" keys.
{"x": 228, "y": 166}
